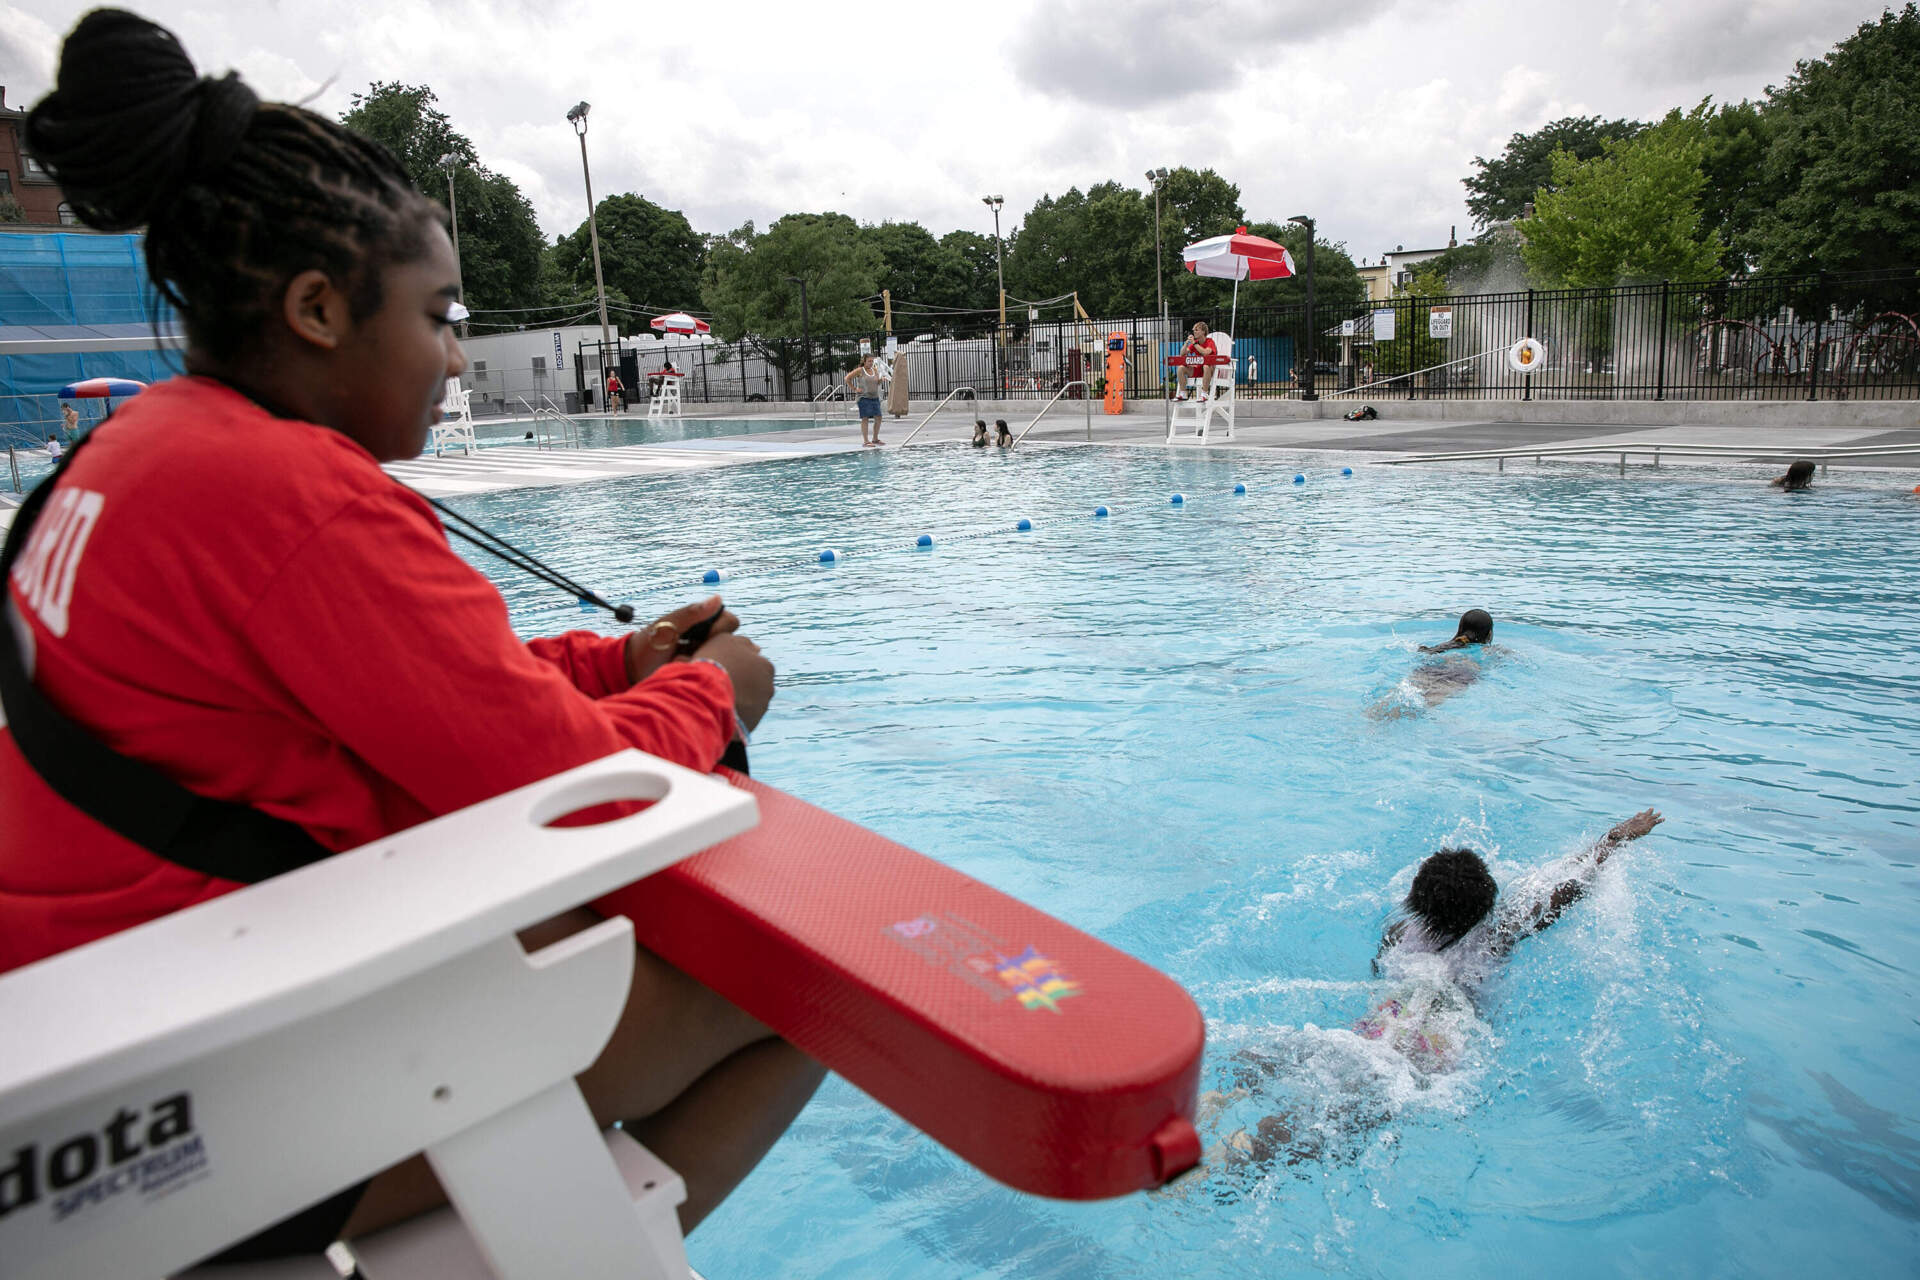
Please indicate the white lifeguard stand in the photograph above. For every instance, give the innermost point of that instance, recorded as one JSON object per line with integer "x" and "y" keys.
{"x": 455, "y": 428}
{"x": 664, "y": 400}
{"x": 1212, "y": 417}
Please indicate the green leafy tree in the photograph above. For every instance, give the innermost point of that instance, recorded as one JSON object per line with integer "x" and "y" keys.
{"x": 1489, "y": 264}
{"x": 747, "y": 291}
{"x": 910, "y": 259}
{"x": 1097, "y": 243}
{"x": 1736, "y": 193}
{"x": 500, "y": 240}
{"x": 1503, "y": 186}
{"x": 967, "y": 275}
{"x": 648, "y": 254}
{"x": 1630, "y": 214}
{"x": 1844, "y": 155}
{"x": 10, "y": 210}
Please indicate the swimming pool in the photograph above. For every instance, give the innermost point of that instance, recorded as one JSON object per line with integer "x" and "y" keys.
{"x": 637, "y": 428}
{"x": 1155, "y": 726}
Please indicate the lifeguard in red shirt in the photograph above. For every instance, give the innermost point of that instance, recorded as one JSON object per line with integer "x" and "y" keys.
{"x": 1199, "y": 347}
{"x": 224, "y": 584}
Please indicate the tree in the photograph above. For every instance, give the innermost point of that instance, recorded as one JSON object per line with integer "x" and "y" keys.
{"x": 1506, "y": 184}
{"x": 500, "y": 240}
{"x": 1631, "y": 214}
{"x": 1489, "y": 264}
{"x": 967, "y": 275}
{"x": 1736, "y": 194}
{"x": 648, "y": 254}
{"x": 910, "y": 259}
{"x": 1844, "y": 156}
{"x": 746, "y": 288}
{"x": 1098, "y": 244}
{"x": 10, "y": 210}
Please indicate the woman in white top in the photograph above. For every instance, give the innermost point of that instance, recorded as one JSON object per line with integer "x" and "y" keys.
{"x": 868, "y": 383}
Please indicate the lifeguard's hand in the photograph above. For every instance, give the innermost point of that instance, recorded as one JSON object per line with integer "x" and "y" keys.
{"x": 751, "y": 672}
{"x": 652, "y": 647}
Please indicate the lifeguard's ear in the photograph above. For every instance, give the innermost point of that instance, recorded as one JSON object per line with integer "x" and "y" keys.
{"x": 315, "y": 310}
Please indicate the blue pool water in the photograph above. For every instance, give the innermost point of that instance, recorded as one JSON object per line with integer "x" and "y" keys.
{"x": 1156, "y": 726}
{"x": 637, "y": 428}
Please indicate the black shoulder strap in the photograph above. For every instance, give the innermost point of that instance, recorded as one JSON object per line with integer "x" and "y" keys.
{"x": 213, "y": 837}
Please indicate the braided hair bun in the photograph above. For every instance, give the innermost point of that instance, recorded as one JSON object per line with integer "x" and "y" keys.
{"x": 238, "y": 196}
{"x": 129, "y": 123}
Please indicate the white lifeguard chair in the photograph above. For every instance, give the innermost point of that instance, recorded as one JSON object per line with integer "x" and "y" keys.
{"x": 148, "y": 1114}
{"x": 455, "y": 428}
{"x": 1212, "y": 417}
{"x": 664, "y": 400}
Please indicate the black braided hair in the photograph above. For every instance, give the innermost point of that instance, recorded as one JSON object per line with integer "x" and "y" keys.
{"x": 238, "y": 196}
{"x": 1452, "y": 891}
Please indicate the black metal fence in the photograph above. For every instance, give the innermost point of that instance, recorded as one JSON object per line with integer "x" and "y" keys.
{"x": 1829, "y": 336}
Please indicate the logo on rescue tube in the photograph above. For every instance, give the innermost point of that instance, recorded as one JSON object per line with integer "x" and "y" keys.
{"x": 1036, "y": 981}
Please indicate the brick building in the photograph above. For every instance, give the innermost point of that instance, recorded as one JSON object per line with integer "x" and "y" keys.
{"x": 21, "y": 177}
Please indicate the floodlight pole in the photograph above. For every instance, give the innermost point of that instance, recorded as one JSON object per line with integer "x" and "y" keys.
{"x": 448, "y": 162}
{"x": 806, "y": 334}
{"x": 1000, "y": 271}
{"x": 1306, "y": 384}
{"x": 578, "y": 118}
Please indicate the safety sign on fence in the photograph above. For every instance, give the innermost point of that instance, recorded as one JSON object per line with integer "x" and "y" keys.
{"x": 1383, "y": 325}
{"x": 1440, "y": 322}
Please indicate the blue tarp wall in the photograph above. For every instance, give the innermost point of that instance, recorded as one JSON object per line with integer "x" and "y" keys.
{"x": 56, "y": 279}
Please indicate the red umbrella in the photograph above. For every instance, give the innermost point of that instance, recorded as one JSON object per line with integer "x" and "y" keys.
{"x": 1238, "y": 257}
{"x": 680, "y": 322}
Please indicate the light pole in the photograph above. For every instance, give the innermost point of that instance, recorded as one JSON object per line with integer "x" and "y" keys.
{"x": 578, "y": 119}
{"x": 448, "y": 162}
{"x": 1306, "y": 385}
{"x": 806, "y": 334}
{"x": 1000, "y": 271}
{"x": 1156, "y": 177}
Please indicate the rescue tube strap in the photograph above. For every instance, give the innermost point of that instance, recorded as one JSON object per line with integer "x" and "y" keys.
{"x": 213, "y": 837}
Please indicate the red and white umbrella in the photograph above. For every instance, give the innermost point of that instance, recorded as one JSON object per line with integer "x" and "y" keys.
{"x": 1238, "y": 257}
{"x": 680, "y": 322}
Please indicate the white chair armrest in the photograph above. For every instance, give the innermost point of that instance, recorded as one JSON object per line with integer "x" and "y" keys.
{"x": 178, "y": 988}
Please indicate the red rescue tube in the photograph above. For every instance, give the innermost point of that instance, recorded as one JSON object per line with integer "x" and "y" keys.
{"x": 1037, "y": 1053}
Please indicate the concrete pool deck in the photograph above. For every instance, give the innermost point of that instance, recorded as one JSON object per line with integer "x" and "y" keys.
{"x": 519, "y": 466}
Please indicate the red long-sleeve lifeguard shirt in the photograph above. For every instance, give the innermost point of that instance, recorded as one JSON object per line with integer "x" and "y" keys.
{"x": 251, "y": 605}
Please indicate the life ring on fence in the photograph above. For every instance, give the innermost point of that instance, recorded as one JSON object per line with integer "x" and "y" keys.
{"x": 1526, "y": 356}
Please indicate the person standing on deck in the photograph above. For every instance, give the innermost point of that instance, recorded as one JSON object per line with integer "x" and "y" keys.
{"x": 868, "y": 384}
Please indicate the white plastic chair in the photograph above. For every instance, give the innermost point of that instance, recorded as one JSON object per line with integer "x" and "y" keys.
{"x": 170, "y": 1090}
{"x": 665, "y": 400}
{"x": 455, "y": 428}
{"x": 1199, "y": 416}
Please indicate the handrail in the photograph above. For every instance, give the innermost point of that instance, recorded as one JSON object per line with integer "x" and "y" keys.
{"x": 937, "y": 408}
{"x": 826, "y": 396}
{"x": 13, "y": 465}
{"x": 1066, "y": 387}
{"x": 561, "y": 425}
{"x": 1676, "y": 448}
{"x": 573, "y": 428}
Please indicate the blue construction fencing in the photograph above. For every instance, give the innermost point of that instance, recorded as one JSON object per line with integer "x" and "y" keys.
{"x": 63, "y": 284}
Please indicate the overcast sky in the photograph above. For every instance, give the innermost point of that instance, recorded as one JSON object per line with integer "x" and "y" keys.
{"x": 1363, "y": 113}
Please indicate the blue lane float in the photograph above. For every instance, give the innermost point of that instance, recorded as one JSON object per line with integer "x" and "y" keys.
{"x": 710, "y": 577}
{"x": 1240, "y": 488}
{"x": 1099, "y": 513}
{"x": 924, "y": 540}
{"x": 1178, "y": 499}
{"x": 1299, "y": 479}
{"x": 1025, "y": 526}
{"x": 1346, "y": 471}
{"x": 828, "y": 555}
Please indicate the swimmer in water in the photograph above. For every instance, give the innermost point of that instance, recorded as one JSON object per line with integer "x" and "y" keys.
{"x": 979, "y": 434}
{"x": 1438, "y": 681}
{"x": 1447, "y": 939}
{"x": 1799, "y": 476}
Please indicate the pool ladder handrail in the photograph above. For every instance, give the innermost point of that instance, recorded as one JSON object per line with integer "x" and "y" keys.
{"x": 826, "y": 398}
{"x": 937, "y": 408}
{"x": 560, "y": 426}
{"x": 1065, "y": 387}
{"x": 1673, "y": 448}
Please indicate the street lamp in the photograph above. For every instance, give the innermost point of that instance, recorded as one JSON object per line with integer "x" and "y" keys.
{"x": 1306, "y": 385}
{"x": 806, "y": 334}
{"x": 449, "y": 162}
{"x": 1000, "y": 270}
{"x": 578, "y": 119}
{"x": 1156, "y": 177}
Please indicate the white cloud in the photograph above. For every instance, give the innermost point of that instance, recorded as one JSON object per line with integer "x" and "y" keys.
{"x": 1365, "y": 113}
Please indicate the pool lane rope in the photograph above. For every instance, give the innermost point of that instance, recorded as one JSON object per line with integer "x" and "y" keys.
{"x": 830, "y": 556}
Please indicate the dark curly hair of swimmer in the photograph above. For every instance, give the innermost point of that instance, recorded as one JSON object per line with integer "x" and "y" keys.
{"x": 238, "y": 196}
{"x": 1452, "y": 892}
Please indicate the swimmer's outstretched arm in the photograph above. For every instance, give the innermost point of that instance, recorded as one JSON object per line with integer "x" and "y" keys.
{"x": 1542, "y": 912}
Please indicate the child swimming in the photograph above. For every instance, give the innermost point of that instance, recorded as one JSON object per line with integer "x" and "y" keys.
{"x": 1447, "y": 938}
{"x": 1435, "y": 682}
